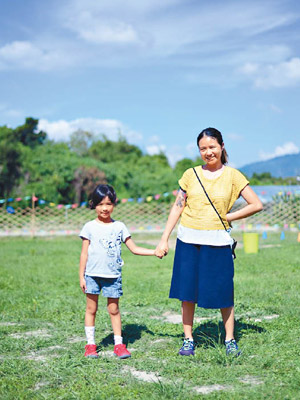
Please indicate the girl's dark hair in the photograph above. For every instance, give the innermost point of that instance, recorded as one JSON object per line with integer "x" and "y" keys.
{"x": 214, "y": 133}
{"x": 100, "y": 193}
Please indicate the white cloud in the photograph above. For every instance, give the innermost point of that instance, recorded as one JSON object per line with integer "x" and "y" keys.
{"x": 100, "y": 29}
{"x": 61, "y": 130}
{"x": 286, "y": 148}
{"x": 193, "y": 32}
{"x": 154, "y": 139}
{"x": 173, "y": 157}
{"x": 25, "y": 54}
{"x": 192, "y": 149}
{"x": 155, "y": 149}
{"x": 101, "y": 33}
{"x": 265, "y": 76}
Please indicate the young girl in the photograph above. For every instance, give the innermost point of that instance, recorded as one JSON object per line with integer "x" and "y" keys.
{"x": 101, "y": 264}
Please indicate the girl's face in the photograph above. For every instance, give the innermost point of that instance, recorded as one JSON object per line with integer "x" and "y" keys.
{"x": 104, "y": 209}
{"x": 210, "y": 151}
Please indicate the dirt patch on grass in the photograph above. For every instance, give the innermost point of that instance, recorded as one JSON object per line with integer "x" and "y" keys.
{"x": 143, "y": 375}
{"x": 76, "y": 339}
{"x": 251, "y": 380}
{"x": 43, "y": 333}
{"x": 42, "y": 355}
{"x": 211, "y": 388}
{"x": 40, "y": 385}
{"x": 10, "y": 324}
{"x": 266, "y": 318}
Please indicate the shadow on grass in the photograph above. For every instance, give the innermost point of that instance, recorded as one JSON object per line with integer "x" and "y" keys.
{"x": 208, "y": 334}
{"x": 212, "y": 333}
{"x": 130, "y": 332}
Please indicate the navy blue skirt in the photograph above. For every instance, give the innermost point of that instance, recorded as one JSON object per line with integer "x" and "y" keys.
{"x": 203, "y": 274}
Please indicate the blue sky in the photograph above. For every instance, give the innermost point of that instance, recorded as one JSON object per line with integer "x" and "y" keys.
{"x": 158, "y": 71}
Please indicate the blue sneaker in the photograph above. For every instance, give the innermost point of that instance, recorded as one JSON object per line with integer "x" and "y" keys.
{"x": 232, "y": 348}
{"x": 187, "y": 348}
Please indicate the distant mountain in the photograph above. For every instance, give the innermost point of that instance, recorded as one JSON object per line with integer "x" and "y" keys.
{"x": 283, "y": 166}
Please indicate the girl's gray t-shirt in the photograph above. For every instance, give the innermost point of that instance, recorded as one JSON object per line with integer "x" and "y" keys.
{"x": 104, "y": 252}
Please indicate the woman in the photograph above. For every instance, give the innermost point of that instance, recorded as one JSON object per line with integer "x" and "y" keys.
{"x": 203, "y": 264}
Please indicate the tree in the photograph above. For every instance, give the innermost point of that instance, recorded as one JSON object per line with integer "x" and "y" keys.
{"x": 10, "y": 161}
{"x": 108, "y": 151}
{"x": 85, "y": 180}
{"x": 28, "y": 133}
{"x": 80, "y": 142}
{"x": 186, "y": 163}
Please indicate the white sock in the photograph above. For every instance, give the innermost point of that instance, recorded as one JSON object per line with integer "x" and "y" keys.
{"x": 90, "y": 334}
{"x": 118, "y": 339}
{"x": 189, "y": 339}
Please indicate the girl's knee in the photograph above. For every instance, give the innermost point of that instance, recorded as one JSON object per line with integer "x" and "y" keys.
{"x": 91, "y": 309}
{"x": 113, "y": 308}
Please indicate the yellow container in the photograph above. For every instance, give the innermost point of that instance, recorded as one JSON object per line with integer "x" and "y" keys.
{"x": 250, "y": 242}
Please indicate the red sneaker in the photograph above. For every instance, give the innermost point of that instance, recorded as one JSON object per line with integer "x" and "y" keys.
{"x": 121, "y": 352}
{"x": 90, "y": 351}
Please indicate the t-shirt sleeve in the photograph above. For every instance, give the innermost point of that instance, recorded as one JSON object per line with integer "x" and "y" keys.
{"x": 185, "y": 179}
{"x": 239, "y": 182}
{"x": 125, "y": 233}
{"x": 85, "y": 232}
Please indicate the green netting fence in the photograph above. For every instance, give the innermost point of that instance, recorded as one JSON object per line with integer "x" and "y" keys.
{"x": 140, "y": 217}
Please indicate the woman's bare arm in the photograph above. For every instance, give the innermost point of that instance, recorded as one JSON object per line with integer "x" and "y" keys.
{"x": 253, "y": 205}
{"x": 176, "y": 210}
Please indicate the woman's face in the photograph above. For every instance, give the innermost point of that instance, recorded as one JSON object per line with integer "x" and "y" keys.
{"x": 210, "y": 151}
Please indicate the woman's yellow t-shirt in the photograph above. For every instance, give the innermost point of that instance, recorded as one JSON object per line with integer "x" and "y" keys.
{"x": 223, "y": 191}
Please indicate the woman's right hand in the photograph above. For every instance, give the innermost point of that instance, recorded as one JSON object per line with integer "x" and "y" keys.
{"x": 82, "y": 284}
{"x": 162, "y": 248}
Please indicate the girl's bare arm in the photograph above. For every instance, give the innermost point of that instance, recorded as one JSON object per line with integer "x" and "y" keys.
{"x": 140, "y": 251}
{"x": 82, "y": 263}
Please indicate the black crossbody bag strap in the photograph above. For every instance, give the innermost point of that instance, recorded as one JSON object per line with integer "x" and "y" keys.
{"x": 234, "y": 241}
{"x": 210, "y": 199}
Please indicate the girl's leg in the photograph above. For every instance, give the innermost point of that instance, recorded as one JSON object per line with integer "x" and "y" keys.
{"x": 188, "y": 310}
{"x": 90, "y": 316}
{"x": 115, "y": 316}
{"x": 228, "y": 320}
{"x": 91, "y": 309}
{"x": 113, "y": 308}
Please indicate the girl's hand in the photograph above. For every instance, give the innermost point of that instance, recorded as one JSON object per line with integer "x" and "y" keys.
{"x": 228, "y": 218}
{"x": 82, "y": 284}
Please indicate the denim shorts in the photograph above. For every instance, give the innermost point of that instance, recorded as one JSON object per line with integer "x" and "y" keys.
{"x": 111, "y": 287}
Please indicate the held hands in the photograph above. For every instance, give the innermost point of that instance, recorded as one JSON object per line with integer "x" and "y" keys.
{"x": 162, "y": 249}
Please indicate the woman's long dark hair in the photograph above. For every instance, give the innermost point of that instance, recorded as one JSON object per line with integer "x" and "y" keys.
{"x": 214, "y": 133}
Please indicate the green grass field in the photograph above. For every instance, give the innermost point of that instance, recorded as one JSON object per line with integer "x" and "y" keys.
{"x": 42, "y": 329}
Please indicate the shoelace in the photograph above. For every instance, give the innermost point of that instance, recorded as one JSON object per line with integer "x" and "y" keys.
{"x": 187, "y": 345}
{"x": 231, "y": 346}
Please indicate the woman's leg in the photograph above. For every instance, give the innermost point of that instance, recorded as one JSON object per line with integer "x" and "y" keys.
{"x": 188, "y": 310}
{"x": 228, "y": 320}
{"x": 115, "y": 316}
{"x": 91, "y": 309}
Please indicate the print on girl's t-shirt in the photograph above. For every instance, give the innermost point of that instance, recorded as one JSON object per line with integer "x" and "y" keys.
{"x": 104, "y": 253}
